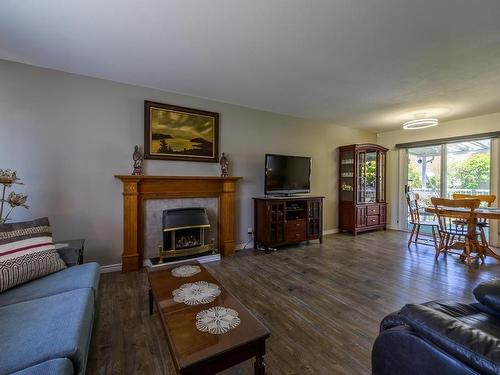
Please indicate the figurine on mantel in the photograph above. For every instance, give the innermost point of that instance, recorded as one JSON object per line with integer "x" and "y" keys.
{"x": 224, "y": 164}
{"x": 138, "y": 158}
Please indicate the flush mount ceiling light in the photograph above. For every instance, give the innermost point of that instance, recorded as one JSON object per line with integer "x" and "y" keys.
{"x": 421, "y": 123}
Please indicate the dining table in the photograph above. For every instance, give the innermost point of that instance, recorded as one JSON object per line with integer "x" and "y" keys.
{"x": 485, "y": 213}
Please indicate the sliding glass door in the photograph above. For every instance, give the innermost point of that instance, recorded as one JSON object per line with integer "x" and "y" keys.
{"x": 424, "y": 173}
{"x": 442, "y": 170}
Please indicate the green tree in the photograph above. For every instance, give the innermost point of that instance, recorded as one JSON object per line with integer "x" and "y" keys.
{"x": 473, "y": 172}
{"x": 164, "y": 147}
{"x": 371, "y": 172}
{"x": 414, "y": 178}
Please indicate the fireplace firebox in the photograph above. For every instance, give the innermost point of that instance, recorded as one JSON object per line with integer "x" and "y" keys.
{"x": 184, "y": 233}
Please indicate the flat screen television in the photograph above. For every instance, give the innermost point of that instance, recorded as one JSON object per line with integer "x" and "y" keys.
{"x": 287, "y": 174}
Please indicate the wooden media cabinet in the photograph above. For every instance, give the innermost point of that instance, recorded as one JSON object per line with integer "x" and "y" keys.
{"x": 282, "y": 221}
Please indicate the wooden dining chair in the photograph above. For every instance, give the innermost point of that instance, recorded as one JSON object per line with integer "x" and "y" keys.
{"x": 482, "y": 224}
{"x": 453, "y": 236}
{"x": 417, "y": 220}
{"x": 487, "y": 199}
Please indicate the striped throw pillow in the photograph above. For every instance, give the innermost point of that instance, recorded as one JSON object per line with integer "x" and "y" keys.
{"x": 27, "y": 252}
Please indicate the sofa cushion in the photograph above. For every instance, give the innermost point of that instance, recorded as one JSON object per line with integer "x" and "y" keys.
{"x": 402, "y": 351}
{"x": 452, "y": 308}
{"x": 478, "y": 349}
{"x": 81, "y": 276}
{"x": 59, "y": 366}
{"x": 488, "y": 293}
{"x": 27, "y": 252}
{"x": 42, "y": 329}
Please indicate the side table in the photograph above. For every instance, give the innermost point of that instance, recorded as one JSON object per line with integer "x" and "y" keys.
{"x": 72, "y": 251}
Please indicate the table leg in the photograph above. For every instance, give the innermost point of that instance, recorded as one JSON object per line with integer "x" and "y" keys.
{"x": 150, "y": 293}
{"x": 492, "y": 254}
{"x": 259, "y": 366}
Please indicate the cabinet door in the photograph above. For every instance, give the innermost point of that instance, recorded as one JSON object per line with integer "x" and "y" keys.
{"x": 347, "y": 171}
{"x": 367, "y": 177}
{"x": 277, "y": 222}
{"x": 361, "y": 216}
{"x": 314, "y": 213}
{"x": 381, "y": 176}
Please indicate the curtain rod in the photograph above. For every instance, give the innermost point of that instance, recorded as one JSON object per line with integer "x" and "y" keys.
{"x": 439, "y": 141}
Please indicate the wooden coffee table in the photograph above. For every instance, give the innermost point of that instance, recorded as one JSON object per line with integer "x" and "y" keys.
{"x": 197, "y": 352}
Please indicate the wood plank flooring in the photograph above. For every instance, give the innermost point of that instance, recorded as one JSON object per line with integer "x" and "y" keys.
{"x": 322, "y": 303}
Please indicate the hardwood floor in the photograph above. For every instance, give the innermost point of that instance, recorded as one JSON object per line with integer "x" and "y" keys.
{"x": 322, "y": 303}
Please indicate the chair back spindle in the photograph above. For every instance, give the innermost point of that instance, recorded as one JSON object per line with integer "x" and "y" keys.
{"x": 412, "y": 200}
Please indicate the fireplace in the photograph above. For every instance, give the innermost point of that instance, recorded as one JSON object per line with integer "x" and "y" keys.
{"x": 184, "y": 234}
{"x": 137, "y": 190}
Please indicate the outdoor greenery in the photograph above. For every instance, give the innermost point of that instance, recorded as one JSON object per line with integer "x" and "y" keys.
{"x": 415, "y": 179}
{"x": 371, "y": 172}
{"x": 471, "y": 173}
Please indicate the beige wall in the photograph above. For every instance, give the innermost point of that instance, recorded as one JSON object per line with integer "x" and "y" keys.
{"x": 67, "y": 135}
{"x": 473, "y": 125}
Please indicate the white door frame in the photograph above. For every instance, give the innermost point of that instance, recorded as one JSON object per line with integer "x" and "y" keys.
{"x": 403, "y": 180}
{"x": 495, "y": 189}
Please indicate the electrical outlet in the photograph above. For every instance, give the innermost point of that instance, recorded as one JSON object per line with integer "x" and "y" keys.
{"x": 250, "y": 230}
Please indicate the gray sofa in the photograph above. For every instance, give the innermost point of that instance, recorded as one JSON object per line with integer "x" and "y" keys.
{"x": 46, "y": 324}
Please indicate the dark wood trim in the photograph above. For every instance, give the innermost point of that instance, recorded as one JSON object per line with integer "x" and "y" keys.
{"x": 147, "y": 151}
{"x": 439, "y": 141}
{"x": 363, "y": 146}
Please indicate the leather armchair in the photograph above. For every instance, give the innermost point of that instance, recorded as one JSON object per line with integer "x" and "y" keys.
{"x": 442, "y": 337}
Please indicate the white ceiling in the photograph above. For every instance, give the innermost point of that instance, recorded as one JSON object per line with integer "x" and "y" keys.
{"x": 365, "y": 63}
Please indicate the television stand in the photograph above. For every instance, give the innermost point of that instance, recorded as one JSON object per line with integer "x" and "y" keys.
{"x": 280, "y": 220}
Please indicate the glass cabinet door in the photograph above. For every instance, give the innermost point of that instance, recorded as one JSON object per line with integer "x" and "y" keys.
{"x": 367, "y": 177}
{"x": 347, "y": 176}
{"x": 277, "y": 233}
{"x": 380, "y": 177}
{"x": 360, "y": 177}
{"x": 314, "y": 218}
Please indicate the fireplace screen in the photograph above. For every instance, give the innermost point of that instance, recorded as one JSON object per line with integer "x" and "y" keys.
{"x": 186, "y": 238}
{"x": 184, "y": 233}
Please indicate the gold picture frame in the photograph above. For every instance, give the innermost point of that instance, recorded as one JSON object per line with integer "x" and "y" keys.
{"x": 180, "y": 133}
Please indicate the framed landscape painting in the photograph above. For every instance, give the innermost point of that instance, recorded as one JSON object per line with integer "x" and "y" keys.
{"x": 179, "y": 133}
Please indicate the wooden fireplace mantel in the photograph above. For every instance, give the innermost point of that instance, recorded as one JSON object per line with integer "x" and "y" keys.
{"x": 136, "y": 189}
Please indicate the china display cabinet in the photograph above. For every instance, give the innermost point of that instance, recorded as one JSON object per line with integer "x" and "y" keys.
{"x": 362, "y": 204}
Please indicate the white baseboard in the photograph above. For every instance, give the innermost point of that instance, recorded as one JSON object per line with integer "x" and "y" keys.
{"x": 241, "y": 246}
{"x": 111, "y": 268}
{"x": 395, "y": 227}
{"x": 330, "y": 231}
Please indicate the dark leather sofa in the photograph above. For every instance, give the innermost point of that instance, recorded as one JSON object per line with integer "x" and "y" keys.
{"x": 442, "y": 337}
